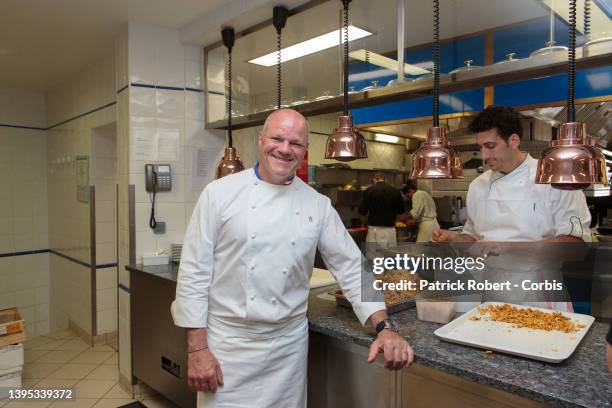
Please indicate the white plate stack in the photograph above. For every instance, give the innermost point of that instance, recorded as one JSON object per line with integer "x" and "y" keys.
{"x": 11, "y": 366}
{"x": 175, "y": 250}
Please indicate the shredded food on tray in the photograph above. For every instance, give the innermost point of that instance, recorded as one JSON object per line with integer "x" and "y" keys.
{"x": 530, "y": 318}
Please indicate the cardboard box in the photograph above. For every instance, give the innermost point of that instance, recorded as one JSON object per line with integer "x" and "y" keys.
{"x": 12, "y": 327}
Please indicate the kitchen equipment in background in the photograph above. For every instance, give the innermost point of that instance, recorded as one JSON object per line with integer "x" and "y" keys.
{"x": 373, "y": 85}
{"x": 471, "y": 329}
{"x": 510, "y": 57}
{"x": 345, "y": 143}
{"x": 175, "y": 252}
{"x": 572, "y": 162}
{"x": 551, "y": 45}
{"x": 436, "y": 158}
{"x": 230, "y": 163}
{"x": 279, "y": 19}
{"x": 300, "y": 101}
{"x": 467, "y": 67}
{"x": 604, "y": 37}
{"x": 326, "y": 95}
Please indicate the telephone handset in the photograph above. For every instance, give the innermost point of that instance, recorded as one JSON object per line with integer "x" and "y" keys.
{"x": 158, "y": 177}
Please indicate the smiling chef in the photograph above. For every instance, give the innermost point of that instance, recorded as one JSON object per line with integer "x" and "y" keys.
{"x": 243, "y": 281}
{"x": 505, "y": 203}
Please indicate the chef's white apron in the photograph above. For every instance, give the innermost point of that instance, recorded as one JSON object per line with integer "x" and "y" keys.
{"x": 512, "y": 214}
{"x": 426, "y": 227}
{"x": 263, "y": 365}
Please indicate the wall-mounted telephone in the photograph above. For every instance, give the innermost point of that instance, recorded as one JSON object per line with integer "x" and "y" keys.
{"x": 158, "y": 177}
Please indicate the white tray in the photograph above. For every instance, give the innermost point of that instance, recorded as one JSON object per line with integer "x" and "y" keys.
{"x": 551, "y": 346}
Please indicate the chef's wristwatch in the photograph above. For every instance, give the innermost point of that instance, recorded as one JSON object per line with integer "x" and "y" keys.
{"x": 386, "y": 324}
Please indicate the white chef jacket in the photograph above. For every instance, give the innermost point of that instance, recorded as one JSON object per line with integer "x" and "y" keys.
{"x": 249, "y": 251}
{"x": 424, "y": 211}
{"x": 511, "y": 207}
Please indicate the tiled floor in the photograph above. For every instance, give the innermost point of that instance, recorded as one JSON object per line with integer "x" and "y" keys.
{"x": 63, "y": 360}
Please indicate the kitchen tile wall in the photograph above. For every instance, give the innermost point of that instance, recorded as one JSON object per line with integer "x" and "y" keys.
{"x": 24, "y": 279}
{"x": 81, "y": 107}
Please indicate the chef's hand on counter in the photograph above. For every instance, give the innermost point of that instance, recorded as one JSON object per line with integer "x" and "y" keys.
{"x": 203, "y": 370}
{"x": 442, "y": 235}
{"x": 397, "y": 352}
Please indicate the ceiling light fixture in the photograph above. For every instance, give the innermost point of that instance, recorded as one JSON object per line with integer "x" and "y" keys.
{"x": 311, "y": 46}
{"x": 230, "y": 163}
{"x": 572, "y": 162}
{"x": 386, "y": 62}
{"x": 381, "y": 137}
{"x": 436, "y": 159}
{"x": 346, "y": 143}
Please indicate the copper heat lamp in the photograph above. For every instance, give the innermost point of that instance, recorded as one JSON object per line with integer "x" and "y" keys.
{"x": 436, "y": 159}
{"x": 572, "y": 162}
{"x": 230, "y": 163}
{"x": 346, "y": 143}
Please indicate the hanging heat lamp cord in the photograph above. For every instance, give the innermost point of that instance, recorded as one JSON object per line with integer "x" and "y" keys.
{"x": 571, "y": 63}
{"x": 436, "y": 61}
{"x": 229, "y": 100}
{"x": 587, "y": 19}
{"x": 346, "y": 55}
{"x": 278, "y": 69}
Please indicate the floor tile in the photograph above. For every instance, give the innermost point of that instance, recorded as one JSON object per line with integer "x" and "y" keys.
{"x": 73, "y": 371}
{"x": 57, "y": 384}
{"x": 29, "y": 383}
{"x": 112, "y": 403}
{"x": 92, "y": 357}
{"x": 30, "y": 355}
{"x": 112, "y": 360}
{"x": 52, "y": 345}
{"x": 35, "y": 342}
{"x": 58, "y": 356}
{"x": 3, "y": 402}
{"x": 104, "y": 372}
{"x": 76, "y": 403}
{"x": 117, "y": 392}
{"x": 74, "y": 344}
{"x": 39, "y": 370}
{"x": 61, "y": 334}
{"x": 158, "y": 402}
{"x": 93, "y": 388}
{"x": 102, "y": 347}
{"x": 28, "y": 404}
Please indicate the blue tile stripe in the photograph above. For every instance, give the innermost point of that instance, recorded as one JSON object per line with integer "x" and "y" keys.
{"x": 43, "y": 251}
{"x": 21, "y": 127}
{"x": 124, "y": 288}
{"x": 167, "y": 88}
{"x": 216, "y": 93}
{"x": 123, "y": 89}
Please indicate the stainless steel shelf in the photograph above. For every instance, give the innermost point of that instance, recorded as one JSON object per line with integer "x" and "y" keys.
{"x": 528, "y": 68}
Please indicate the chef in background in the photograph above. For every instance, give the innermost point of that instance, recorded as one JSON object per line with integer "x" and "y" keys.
{"x": 423, "y": 211}
{"x": 243, "y": 282}
{"x": 381, "y": 205}
{"x": 505, "y": 204}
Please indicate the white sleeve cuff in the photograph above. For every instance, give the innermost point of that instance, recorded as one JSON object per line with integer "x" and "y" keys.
{"x": 189, "y": 313}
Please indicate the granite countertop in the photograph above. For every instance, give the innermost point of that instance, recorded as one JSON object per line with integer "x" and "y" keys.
{"x": 580, "y": 381}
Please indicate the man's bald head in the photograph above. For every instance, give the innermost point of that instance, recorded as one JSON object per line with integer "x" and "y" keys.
{"x": 285, "y": 115}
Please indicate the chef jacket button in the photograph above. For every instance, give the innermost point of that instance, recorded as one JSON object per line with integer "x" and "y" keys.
{"x": 254, "y": 183}
{"x": 292, "y": 242}
{"x": 273, "y": 300}
{"x": 253, "y": 207}
{"x": 252, "y": 236}
{"x": 252, "y": 266}
{"x": 284, "y": 271}
{"x": 297, "y": 213}
{"x": 252, "y": 297}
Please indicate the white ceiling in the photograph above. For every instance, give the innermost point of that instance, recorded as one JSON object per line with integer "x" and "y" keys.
{"x": 43, "y": 42}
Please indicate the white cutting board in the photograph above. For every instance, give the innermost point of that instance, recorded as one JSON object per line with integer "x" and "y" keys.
{"x": 321, "y": 277}
{"x": 551, "y": 346}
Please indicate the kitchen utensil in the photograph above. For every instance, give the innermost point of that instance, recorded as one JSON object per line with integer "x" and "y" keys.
{"x": 467, "y": 67}
{"x": 374, "y": 85}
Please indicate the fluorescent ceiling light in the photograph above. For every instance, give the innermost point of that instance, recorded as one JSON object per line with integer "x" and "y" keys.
{"x": 311, "y": 46}
{"x": 380, "y": 137}
{"x": 600, "y": 22}
{"x": 385, "y": 62}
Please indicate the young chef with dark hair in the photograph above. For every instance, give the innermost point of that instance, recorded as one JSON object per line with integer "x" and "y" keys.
{"x": 505, "y": 204}
{"x": 243, "y": 281}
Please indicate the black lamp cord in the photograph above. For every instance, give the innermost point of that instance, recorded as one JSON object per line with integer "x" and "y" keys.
{"x": 229, "y": 99}
{"x": 436, "y": 63}
{"x": 571, "y": 63}
{"x": 587, "y": 19}
{"x": 346, "y": 55}
{"x": 152, "y": 221}
{"x": 279, "y": 94}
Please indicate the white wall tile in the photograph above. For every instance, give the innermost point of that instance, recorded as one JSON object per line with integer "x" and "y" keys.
{"x": 193, "y": 75}
{"x": 170, "y": 104}
{"x": 170, "y": 72}
{"x": 194, "y": 105}
{"x": 106, "y": 299}
{"x": 142, "y": 102}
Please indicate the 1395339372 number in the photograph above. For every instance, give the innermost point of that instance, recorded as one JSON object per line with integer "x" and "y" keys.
{"x": 40, "y": 394}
